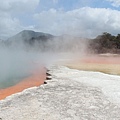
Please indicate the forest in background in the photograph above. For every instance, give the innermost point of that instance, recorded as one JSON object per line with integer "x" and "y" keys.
{"x": 105, "y": 43}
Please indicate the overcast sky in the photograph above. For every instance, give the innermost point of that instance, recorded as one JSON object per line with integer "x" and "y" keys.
{"x": 86, "y": 18}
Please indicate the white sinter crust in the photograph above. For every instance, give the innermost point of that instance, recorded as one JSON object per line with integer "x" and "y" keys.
{"x": 70, "y": 95}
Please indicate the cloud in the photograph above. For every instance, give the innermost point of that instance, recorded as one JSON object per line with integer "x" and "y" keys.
{"x": 10, "y": 10}
{"x": 83, "y": 22}
{"x": 8, "y": 25}
{"x": 18, "y": 5}
{"x": 115, "y": 3}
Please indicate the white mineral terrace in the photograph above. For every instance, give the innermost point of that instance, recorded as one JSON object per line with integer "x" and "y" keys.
{"x": 70, "y": 95}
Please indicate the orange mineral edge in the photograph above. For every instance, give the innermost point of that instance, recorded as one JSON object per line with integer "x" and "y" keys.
{"x": 35, "y": 80}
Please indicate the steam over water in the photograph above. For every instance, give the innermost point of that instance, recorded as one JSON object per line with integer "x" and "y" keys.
{"x": 16, "y": 65}
{"x": 20, "y": 59}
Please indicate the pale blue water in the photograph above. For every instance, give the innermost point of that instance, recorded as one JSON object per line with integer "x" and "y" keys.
{"x": 11, "y": 81}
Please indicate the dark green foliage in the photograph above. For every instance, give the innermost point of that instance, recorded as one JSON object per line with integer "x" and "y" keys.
{"x": 105, "y": 43}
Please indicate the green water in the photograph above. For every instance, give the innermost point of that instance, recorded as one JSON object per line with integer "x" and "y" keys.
{"x": 11, "y": 81}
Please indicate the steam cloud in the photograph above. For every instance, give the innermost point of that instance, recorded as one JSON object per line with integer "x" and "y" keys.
{"x": 19, "y": 61}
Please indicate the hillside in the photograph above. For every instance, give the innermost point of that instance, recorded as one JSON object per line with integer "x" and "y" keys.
{"x": 32, "y": 40}
{"x": 105, "y": 43}
{"x": 28, "y": 39}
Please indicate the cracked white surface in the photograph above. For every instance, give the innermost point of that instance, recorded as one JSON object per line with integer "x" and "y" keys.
{"x": 70, "y": 95}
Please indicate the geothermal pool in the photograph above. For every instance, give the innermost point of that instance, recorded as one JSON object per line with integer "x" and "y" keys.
{"x": 36, "y": 79}
{"x": 20, "y": 69}
{"x": 19, "y": 82}
{"x": 71, "y": 94}
{"x": 11, "y": 81}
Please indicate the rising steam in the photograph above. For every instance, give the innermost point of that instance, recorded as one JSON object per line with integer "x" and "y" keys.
{"x": 20, "y": 60}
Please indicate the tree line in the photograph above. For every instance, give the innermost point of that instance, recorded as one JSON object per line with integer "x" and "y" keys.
{"x": 105, "y": 43}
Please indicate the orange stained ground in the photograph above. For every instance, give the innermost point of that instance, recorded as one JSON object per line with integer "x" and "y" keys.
{"x": 35, "y": 80}
{"x": 101, "y": 59}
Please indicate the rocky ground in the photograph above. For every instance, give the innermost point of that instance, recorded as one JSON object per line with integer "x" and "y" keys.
{"x": 66, "y": 97}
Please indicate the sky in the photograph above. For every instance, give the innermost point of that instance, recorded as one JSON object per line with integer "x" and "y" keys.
{"x": 85, "y": 18}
